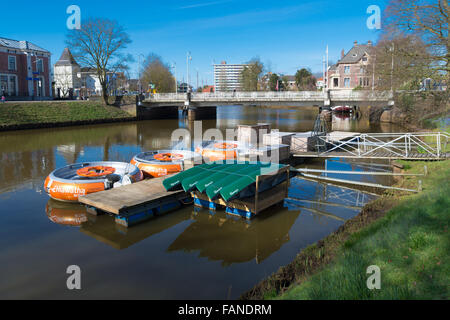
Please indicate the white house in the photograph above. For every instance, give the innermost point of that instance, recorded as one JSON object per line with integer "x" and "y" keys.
{"x": 65, "y": 75}
{"x": 73, "y": 81}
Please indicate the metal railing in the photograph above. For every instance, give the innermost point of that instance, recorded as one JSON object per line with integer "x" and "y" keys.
{"x": 335, "y": 95}
{"x": 398, "y": 145}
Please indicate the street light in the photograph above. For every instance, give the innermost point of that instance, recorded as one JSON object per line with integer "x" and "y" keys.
{"x": 140, "y": 71}
{"x": 174, "y": 66}
{"x": 392, "y": 49}
{"x": 188, "y": 59}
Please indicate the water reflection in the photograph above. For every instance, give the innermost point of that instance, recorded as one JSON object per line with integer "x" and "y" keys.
{"x": 220, "y": 237}
{"x": 326, "y": 200}
{"x": 104, "y": 229}
{"x": 66, "y": 213}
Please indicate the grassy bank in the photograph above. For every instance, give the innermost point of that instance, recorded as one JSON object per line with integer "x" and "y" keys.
{"x": 406, "y": 235}
{"x": 35, "y": 114}
{"x": 410, "y": 244}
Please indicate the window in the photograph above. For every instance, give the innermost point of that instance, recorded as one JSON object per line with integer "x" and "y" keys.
{"x": 3, "y": 85}
{"x": 12, "y": 85}
{"x": 347, "y": 69}
{"x": 40, "y": 65}
{"x": 12, "y": 63}
{"x": 364, "y": 82}
{"x": 335, "y": 82}
{"x": 347, "y": 82}
{"x": 8, "y": 85}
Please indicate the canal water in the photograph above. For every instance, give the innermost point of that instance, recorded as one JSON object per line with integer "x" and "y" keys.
{"x": 187, "y": 254}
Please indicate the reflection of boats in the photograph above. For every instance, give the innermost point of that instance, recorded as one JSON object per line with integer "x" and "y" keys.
{"x": 343, "y": 108}
{"x": 66, "y": 213}
{"x": 220, "y": 150}
{"x": 70, "y": 182}
{"x": 229, "y": 240}
{"x": 105, "y": 230}
{"x": 161, "y": 163}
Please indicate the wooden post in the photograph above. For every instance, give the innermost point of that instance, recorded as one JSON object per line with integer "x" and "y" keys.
{"x": 288, "y": 181}
{"x": 256, "y": 195}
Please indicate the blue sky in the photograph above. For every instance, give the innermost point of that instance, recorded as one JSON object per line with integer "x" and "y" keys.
{"x": 285, "y": 35}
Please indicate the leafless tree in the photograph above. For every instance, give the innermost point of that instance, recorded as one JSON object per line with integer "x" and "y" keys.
{"x": 427, "y": 19}
{"x": 99, "y": 45}
{"x": 399, "y": 63}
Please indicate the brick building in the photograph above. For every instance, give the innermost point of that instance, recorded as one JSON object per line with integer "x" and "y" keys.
{"x": 25, "y": 70}
{"x": 351, "y": 70}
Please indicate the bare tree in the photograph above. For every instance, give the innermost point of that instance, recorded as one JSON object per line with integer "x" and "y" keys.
{"x": 399, "y": 63}
{"x": 99, "y": 44}
{"x": 158, "y": 73}
{"x": 427, "y": 20}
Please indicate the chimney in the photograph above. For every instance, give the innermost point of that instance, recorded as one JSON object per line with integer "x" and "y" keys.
{"x": 342, "y": 54}
{"x": 369, "y": 43}
{"x": 355, "y": 43}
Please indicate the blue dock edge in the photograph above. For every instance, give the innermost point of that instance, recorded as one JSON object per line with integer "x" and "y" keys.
{"x": 146, "y": 214}
{"x": 213, "y": 207}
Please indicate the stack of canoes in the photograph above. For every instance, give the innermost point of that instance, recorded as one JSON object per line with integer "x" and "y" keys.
{"x": 230, "y": 181}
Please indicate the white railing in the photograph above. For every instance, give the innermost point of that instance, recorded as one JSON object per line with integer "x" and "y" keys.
{"x": 398, "y": 145}
{"x": 337, "y": 95}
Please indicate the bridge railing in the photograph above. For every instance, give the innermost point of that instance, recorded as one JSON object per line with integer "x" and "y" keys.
{"x": 335, "y": 95}
{"x": 222, "y": 96}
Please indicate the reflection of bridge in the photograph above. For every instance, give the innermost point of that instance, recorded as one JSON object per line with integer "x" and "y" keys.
{"x": 291, "y": 98}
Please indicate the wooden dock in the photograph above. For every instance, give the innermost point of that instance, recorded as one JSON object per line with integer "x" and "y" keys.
{"x": 136, "y": 202}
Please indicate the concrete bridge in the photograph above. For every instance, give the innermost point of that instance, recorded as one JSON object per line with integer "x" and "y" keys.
{"x": 197, "y": 103}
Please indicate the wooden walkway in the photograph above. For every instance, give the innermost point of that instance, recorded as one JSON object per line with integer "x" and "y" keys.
{"x": 135, "y": 202}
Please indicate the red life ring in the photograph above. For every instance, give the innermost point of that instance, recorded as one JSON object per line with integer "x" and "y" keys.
{"x": 225, "y": 145}
{"x": 95, "y": 172}
{"x": 168, "y": 156}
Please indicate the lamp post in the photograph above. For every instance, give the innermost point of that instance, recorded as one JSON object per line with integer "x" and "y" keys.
{"x": 188, "y": 59}
{"x": 392, "y": 49}
{"x": 174, "y": 66}
{"x": 140, "y": 73}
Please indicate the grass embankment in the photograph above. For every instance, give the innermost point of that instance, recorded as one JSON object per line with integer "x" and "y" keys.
{"x": 410, "y": 244}
{"x": 405, "y": 235}
{"x": 17, "y": 115}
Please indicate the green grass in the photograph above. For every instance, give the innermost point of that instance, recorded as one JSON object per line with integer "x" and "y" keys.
{"x": 410, "y": 244}
{"x": 23, "y": 113}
